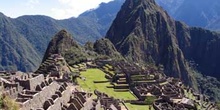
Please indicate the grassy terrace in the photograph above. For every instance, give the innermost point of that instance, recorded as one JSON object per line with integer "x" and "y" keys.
{"x": 138, "y": 107}
{"x": 109, "y": 69}
{"x": 92, "y": 75}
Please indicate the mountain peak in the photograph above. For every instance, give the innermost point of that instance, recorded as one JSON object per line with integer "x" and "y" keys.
{"x": 137, "y": 14}
{"x": 149, "y": 5}
{"x": 140, "y": 2}
{"x": 144, "y": 33}
{"x": 63, "y": 44}
{"x": 62, "y": 34}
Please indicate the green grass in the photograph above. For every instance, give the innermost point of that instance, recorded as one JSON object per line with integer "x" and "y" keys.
{"x": 73, "y": 69}
{"x": 98, "y": 75}
{"x": 150, "y": 100}
{"x": 138, "y": 107}
{"x": 189, "y": 95}
{"x": 109, "y": 66}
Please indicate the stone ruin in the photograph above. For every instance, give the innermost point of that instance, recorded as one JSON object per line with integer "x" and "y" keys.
{"x": 54, "y": 66}
{"x": 54, "y": 90}
{"x": 35, "y": 92}
{"x": 152, "y": 82}
{"x": 106, "y": 102}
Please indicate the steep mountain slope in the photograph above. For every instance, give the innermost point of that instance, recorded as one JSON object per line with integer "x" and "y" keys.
{"x": 171, "y": 6}
{"x": 205, "y": 51}
{"x": 144, "y": 33}
{"x": 104, "y": 15}
{"x": 38, "y": 30}
{"x": 215, "y": 25}
{"x": 16, "y": 52}
{"x": 200, "y": 13}
{"x": 63, "y": 44}
{"x": 105, "y": 47}
{"x": 93, "y": 24}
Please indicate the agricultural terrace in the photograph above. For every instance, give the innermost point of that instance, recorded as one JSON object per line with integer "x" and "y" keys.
{"x": 139, "y": 107}
{"x": 90, "y": 76}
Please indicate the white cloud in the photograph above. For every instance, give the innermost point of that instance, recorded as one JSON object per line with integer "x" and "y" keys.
{"x": 32, "y": 3}
{"x": 62, "y": 13}
{"x": 74, "y": 7}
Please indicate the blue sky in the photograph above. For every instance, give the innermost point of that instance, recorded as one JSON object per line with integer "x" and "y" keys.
{"x": 58, "y": 9}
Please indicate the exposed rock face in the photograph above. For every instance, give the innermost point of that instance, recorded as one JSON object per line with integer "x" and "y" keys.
{"x": 205, "y": 51}
{"x": 144, "y": 33}
{"x": 200, "y": 46}
{"x": 64, "y": 45}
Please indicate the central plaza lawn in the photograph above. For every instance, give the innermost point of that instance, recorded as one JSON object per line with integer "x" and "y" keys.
{"x": 88, "y": 84}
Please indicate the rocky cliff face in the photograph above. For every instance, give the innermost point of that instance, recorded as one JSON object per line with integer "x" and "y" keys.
{"x": 144, "y": 33}
{"x": 205, "y": 51}
{"x": 201, "y": 47}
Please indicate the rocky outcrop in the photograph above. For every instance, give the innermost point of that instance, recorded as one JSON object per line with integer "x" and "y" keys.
{"x": 63, "y": 44}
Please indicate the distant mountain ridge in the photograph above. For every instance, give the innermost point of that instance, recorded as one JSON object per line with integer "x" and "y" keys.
{"x": 199, "y": 13}
{"x": 36, "y": 32}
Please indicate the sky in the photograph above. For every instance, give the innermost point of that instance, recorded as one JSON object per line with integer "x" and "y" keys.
{"x": 58, "y": 9}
